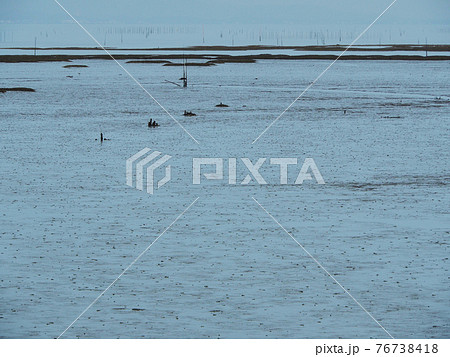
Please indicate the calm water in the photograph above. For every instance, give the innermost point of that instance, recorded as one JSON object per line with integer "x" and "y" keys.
{"x": 70, "y": 225}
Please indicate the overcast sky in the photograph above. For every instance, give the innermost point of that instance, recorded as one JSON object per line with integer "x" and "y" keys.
{"x": 227, "y": 11}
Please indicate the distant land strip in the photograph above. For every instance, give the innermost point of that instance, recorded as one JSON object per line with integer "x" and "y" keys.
{"x": 338, "y": 47}
{"x": 212, "y": 59}
{"x": 16, "y": 89}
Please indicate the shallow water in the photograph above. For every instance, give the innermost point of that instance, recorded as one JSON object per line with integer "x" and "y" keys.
{"x": 70, "y": 225}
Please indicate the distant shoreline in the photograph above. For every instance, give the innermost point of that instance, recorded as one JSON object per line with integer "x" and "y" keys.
{"x": 213, "y": 59}
{"x": 418, "y": 53}
{"x": 340, "y": 48}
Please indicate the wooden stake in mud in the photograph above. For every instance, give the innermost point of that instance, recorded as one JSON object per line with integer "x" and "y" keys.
{"x": 185, "y": 80}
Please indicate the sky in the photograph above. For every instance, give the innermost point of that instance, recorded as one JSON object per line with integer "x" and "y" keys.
{"x": 226, "y": 11}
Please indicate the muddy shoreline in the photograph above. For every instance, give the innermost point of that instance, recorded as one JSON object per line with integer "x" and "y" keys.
{"x": 217, "y": 58}
{"x": 209, "y": 57}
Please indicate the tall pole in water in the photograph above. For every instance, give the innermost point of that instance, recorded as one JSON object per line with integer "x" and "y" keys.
{"x": 35, "y": 45}
{"x": 185, "y": 73}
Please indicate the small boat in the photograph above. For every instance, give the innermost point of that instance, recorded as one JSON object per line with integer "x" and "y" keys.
{"x": 221, "y": 105}
{"x": 152, "y": 123}
{"x": 189, "y": 114}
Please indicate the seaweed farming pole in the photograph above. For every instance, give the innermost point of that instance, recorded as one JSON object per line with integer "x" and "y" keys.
{"x": 186, "y": 80}
{"x": 185, "y": 74}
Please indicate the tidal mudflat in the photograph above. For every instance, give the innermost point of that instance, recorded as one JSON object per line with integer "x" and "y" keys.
{"x": 378, "y": 131}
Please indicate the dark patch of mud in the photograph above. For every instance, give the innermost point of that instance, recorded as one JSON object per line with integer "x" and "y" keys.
{"x": 16, "y": 89}
{"x": 191, "y": 64}
{"x": 76, "y": 66}
{"x": 150, "y": 61}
